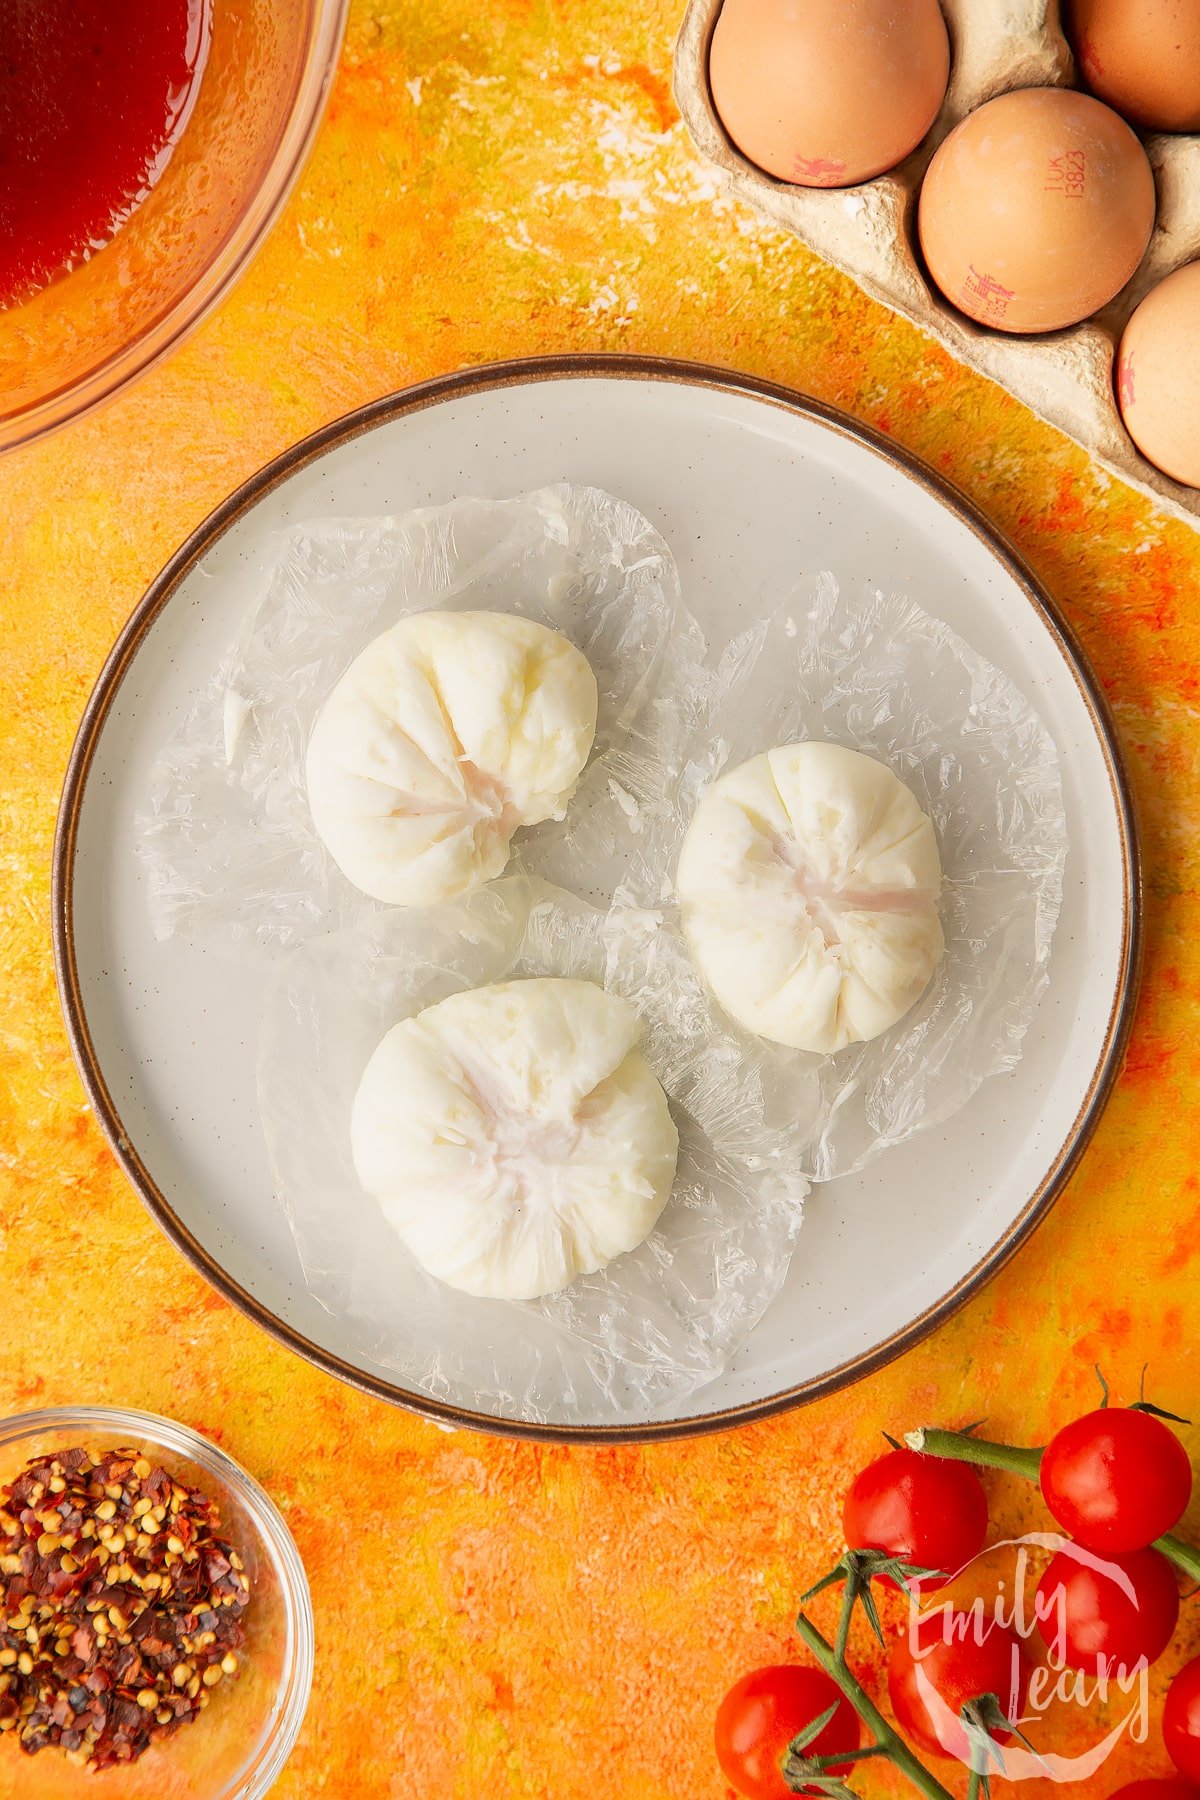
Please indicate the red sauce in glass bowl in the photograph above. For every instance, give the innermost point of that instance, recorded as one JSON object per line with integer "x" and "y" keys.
{"x": 93, "y": 96}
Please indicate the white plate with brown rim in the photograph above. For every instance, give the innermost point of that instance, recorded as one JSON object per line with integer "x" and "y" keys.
{"x": 166, "y": 1035}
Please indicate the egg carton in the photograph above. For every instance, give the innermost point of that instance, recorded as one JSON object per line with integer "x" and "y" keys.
{"x": 869, "y": 231}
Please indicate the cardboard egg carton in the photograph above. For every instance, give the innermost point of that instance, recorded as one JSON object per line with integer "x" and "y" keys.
{"x": 869, "y": 231}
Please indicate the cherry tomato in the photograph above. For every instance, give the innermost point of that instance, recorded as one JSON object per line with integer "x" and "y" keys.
{"x": 1116, "y": 1479}
{"x": 1084, "y": 1613}
{"x": 956, "y": 1657}
{"x": 922, "y": 1508}
{"x": 1181, "y": 1720}
{"x": 1166, "y": 1789}
{"x": 764, "y": 1711}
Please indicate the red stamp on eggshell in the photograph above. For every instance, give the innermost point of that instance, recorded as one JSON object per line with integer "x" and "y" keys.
{"x": 818, "y": 171}
{"x": 984, "y": 296}
{"x": 1089, "y": 59}
{"x": 1067, "y": 175}
{"x": 1125, "y": 380}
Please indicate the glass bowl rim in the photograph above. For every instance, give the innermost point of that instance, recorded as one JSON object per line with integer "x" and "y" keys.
{"x": 230, "y": 258}
{"x": 295, "y": 1683}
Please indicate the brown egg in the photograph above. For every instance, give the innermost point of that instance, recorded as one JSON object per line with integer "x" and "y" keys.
{"x": 1143, "y": 57}
{"x": 1036, "y": 210}
{"x": 825, "y": 95}
{"x": 1158, "y": 375}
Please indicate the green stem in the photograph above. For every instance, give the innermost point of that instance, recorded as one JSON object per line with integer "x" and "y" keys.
{"x": 887, "y": 1740}
{"x": 1184, "y": 1556}
{"x": 836, "y": 1757}
{"x": 960, "y": 1446}
{"x": 849, "y": 1596}
{"x": 973, "y": 1785}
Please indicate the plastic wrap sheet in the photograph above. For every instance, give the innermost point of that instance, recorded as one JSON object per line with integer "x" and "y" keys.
{"x": 227, "y": 837}
{"x": 877, "y": 673}
{"x": 659, "y": 1322}
{"x": 230, "y": 848}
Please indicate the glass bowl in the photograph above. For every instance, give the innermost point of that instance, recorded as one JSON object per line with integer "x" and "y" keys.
{"x": 92, "y": 331}
{"x": 236, "y": 1750}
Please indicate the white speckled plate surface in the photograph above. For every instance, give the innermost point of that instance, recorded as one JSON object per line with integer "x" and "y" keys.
{"x": 735, "y": 474}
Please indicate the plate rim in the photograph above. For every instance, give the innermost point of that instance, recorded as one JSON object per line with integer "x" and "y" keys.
{"x": 485, "y": 378}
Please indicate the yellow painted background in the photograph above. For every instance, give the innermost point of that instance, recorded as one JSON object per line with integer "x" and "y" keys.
{"x": 496, "y": 178}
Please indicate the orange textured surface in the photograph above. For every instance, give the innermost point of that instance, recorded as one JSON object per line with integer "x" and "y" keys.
{"x": 498, "y": 178}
